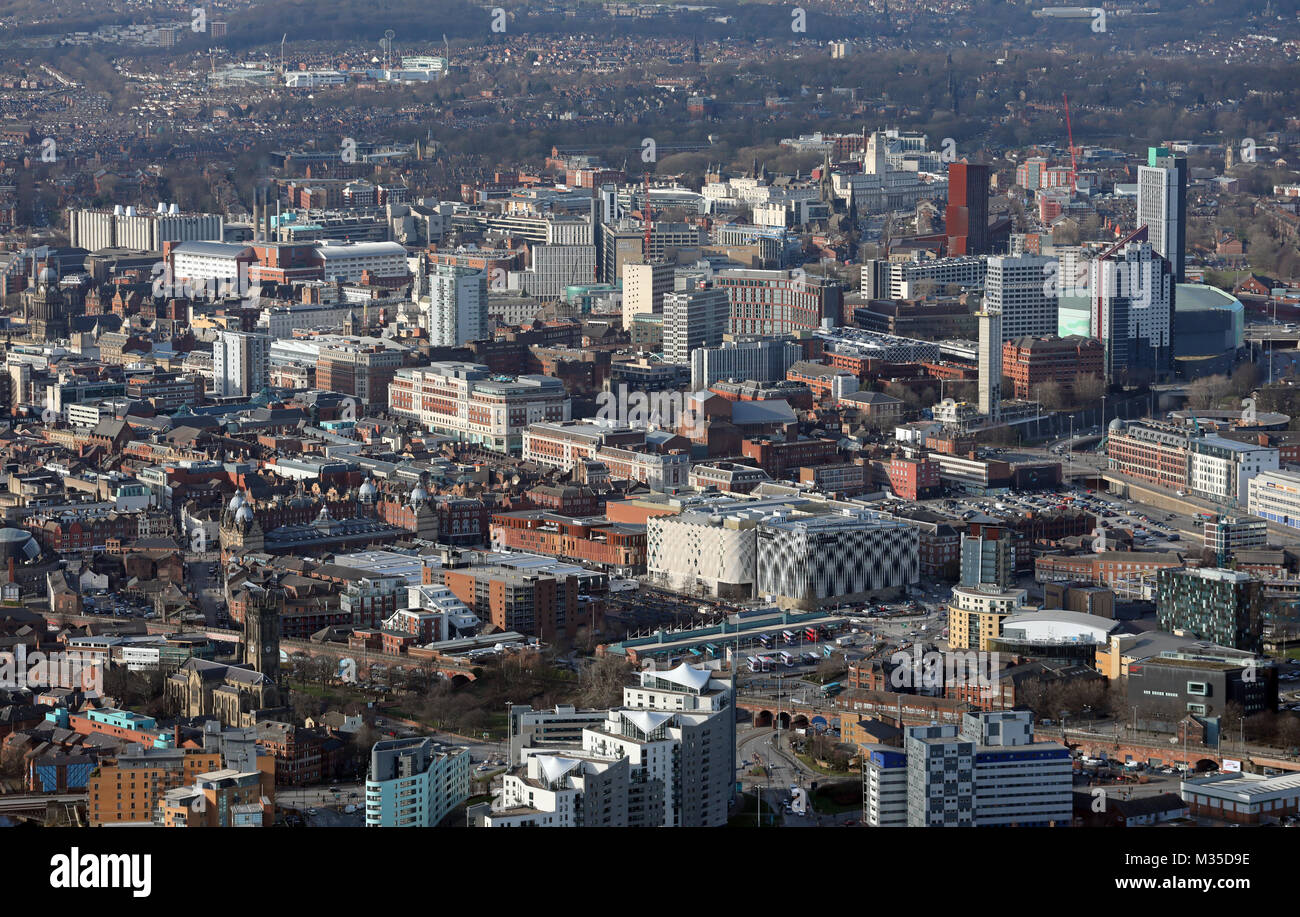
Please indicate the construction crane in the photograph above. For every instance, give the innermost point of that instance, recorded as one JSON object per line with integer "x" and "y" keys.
{"x": 645, "y": 214}
{"x": 1069, "y": 133}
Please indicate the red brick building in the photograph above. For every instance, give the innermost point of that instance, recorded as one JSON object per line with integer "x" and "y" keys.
{"x": 776, "y": 457}
{"x": 914, "y": 479}
{"x": 1031, "y": 361}
{"x": 609, "y": 544}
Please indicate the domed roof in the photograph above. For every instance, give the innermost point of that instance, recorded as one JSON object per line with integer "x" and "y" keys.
{"x": 47, "y": 275}
{"x": 244, "y": 514}
{"x": 368, "y": 490}
{"x": 235, "y": 502}
{"x": 419, "y": 495}
{"x": 1117, "y": 426}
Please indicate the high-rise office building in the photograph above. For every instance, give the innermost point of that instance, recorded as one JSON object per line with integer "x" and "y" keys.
{"x": 1016, "y": 286}
{"x": 884, "y": 787}
{"x": 967, "y": 214}
{"x": 694, "y": 318}
{"x": 991, "y": 772}
{"x": 457, "y": 305}
{"x": 990, "y": 364}
{"x": 988, "y": 554}
{"x": 240, "y": 363}
{"x": 1162, "y": 207}
{"x": 644, "y": 288}
{"x": 940, "y": 778}
{"x": 1132, "y": 291}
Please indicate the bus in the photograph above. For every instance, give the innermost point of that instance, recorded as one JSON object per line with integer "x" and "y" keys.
{"x": 812, "y": 634}
{"x": 787, "y": 636}
{"x": 766, "y": 663}
{"x": 832, "y": 689}
{"x": 828, "y": 651}
{"x": 711, "y": 649}
{"x": 695, "y": 654}
{"x": 786, "y": 659}
{"x": 754, "y": 664}
{"x": 765, "y": 640}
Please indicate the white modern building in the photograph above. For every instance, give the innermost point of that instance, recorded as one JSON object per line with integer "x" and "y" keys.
{"x": 146, "y": 230}
{"x": 1162, "y": 206}
{"x": 211, "y": 263}
{"x": 281, "y": 320}
{"x": 467, "y": 402}
{"x": 711, "y": 552}
{"x": 1221, "y": 468}
{"x": 314, "y": 79}
{"x": 921, "y": 275}
{"x": 1275, "y": 496}
{"x": 884, "y": 786}
{"x": 348, "y": 261}
{"x": 456, "y": 307}
{"x": 665, "y": 758}
{"x": 554, "y": 267}
{"x": 240, "y": 363}
{"x": 990, "y": 773}
{"x": 1019, "y": 783}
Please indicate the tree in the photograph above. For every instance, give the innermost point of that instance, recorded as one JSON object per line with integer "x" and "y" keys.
{"x": 1244, "y": 379}
{"x": 904, "y": 393}
{"x": 832, "y": 668}
{"x": 1049, "y": 394}
{"x": 1207, "y": 392}
{"x": 1087, "y": 389}
{"x": 603, "y": 680}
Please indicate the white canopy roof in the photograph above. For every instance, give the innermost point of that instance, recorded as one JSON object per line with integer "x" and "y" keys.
{"x": 646, "y": 720}
{"x": 553, "y": 768}
{"x": 688, "y": 676}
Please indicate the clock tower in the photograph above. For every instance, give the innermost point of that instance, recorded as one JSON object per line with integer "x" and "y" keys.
{"x": 262, "y": 631}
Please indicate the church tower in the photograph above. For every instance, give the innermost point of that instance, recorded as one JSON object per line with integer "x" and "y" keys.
{"x": 261, "y": 642}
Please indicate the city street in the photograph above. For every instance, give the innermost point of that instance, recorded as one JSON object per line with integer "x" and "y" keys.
{"x": 784, "y": 771}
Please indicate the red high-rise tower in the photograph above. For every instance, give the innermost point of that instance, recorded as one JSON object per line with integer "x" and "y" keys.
{"x": 967, "y": 214}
